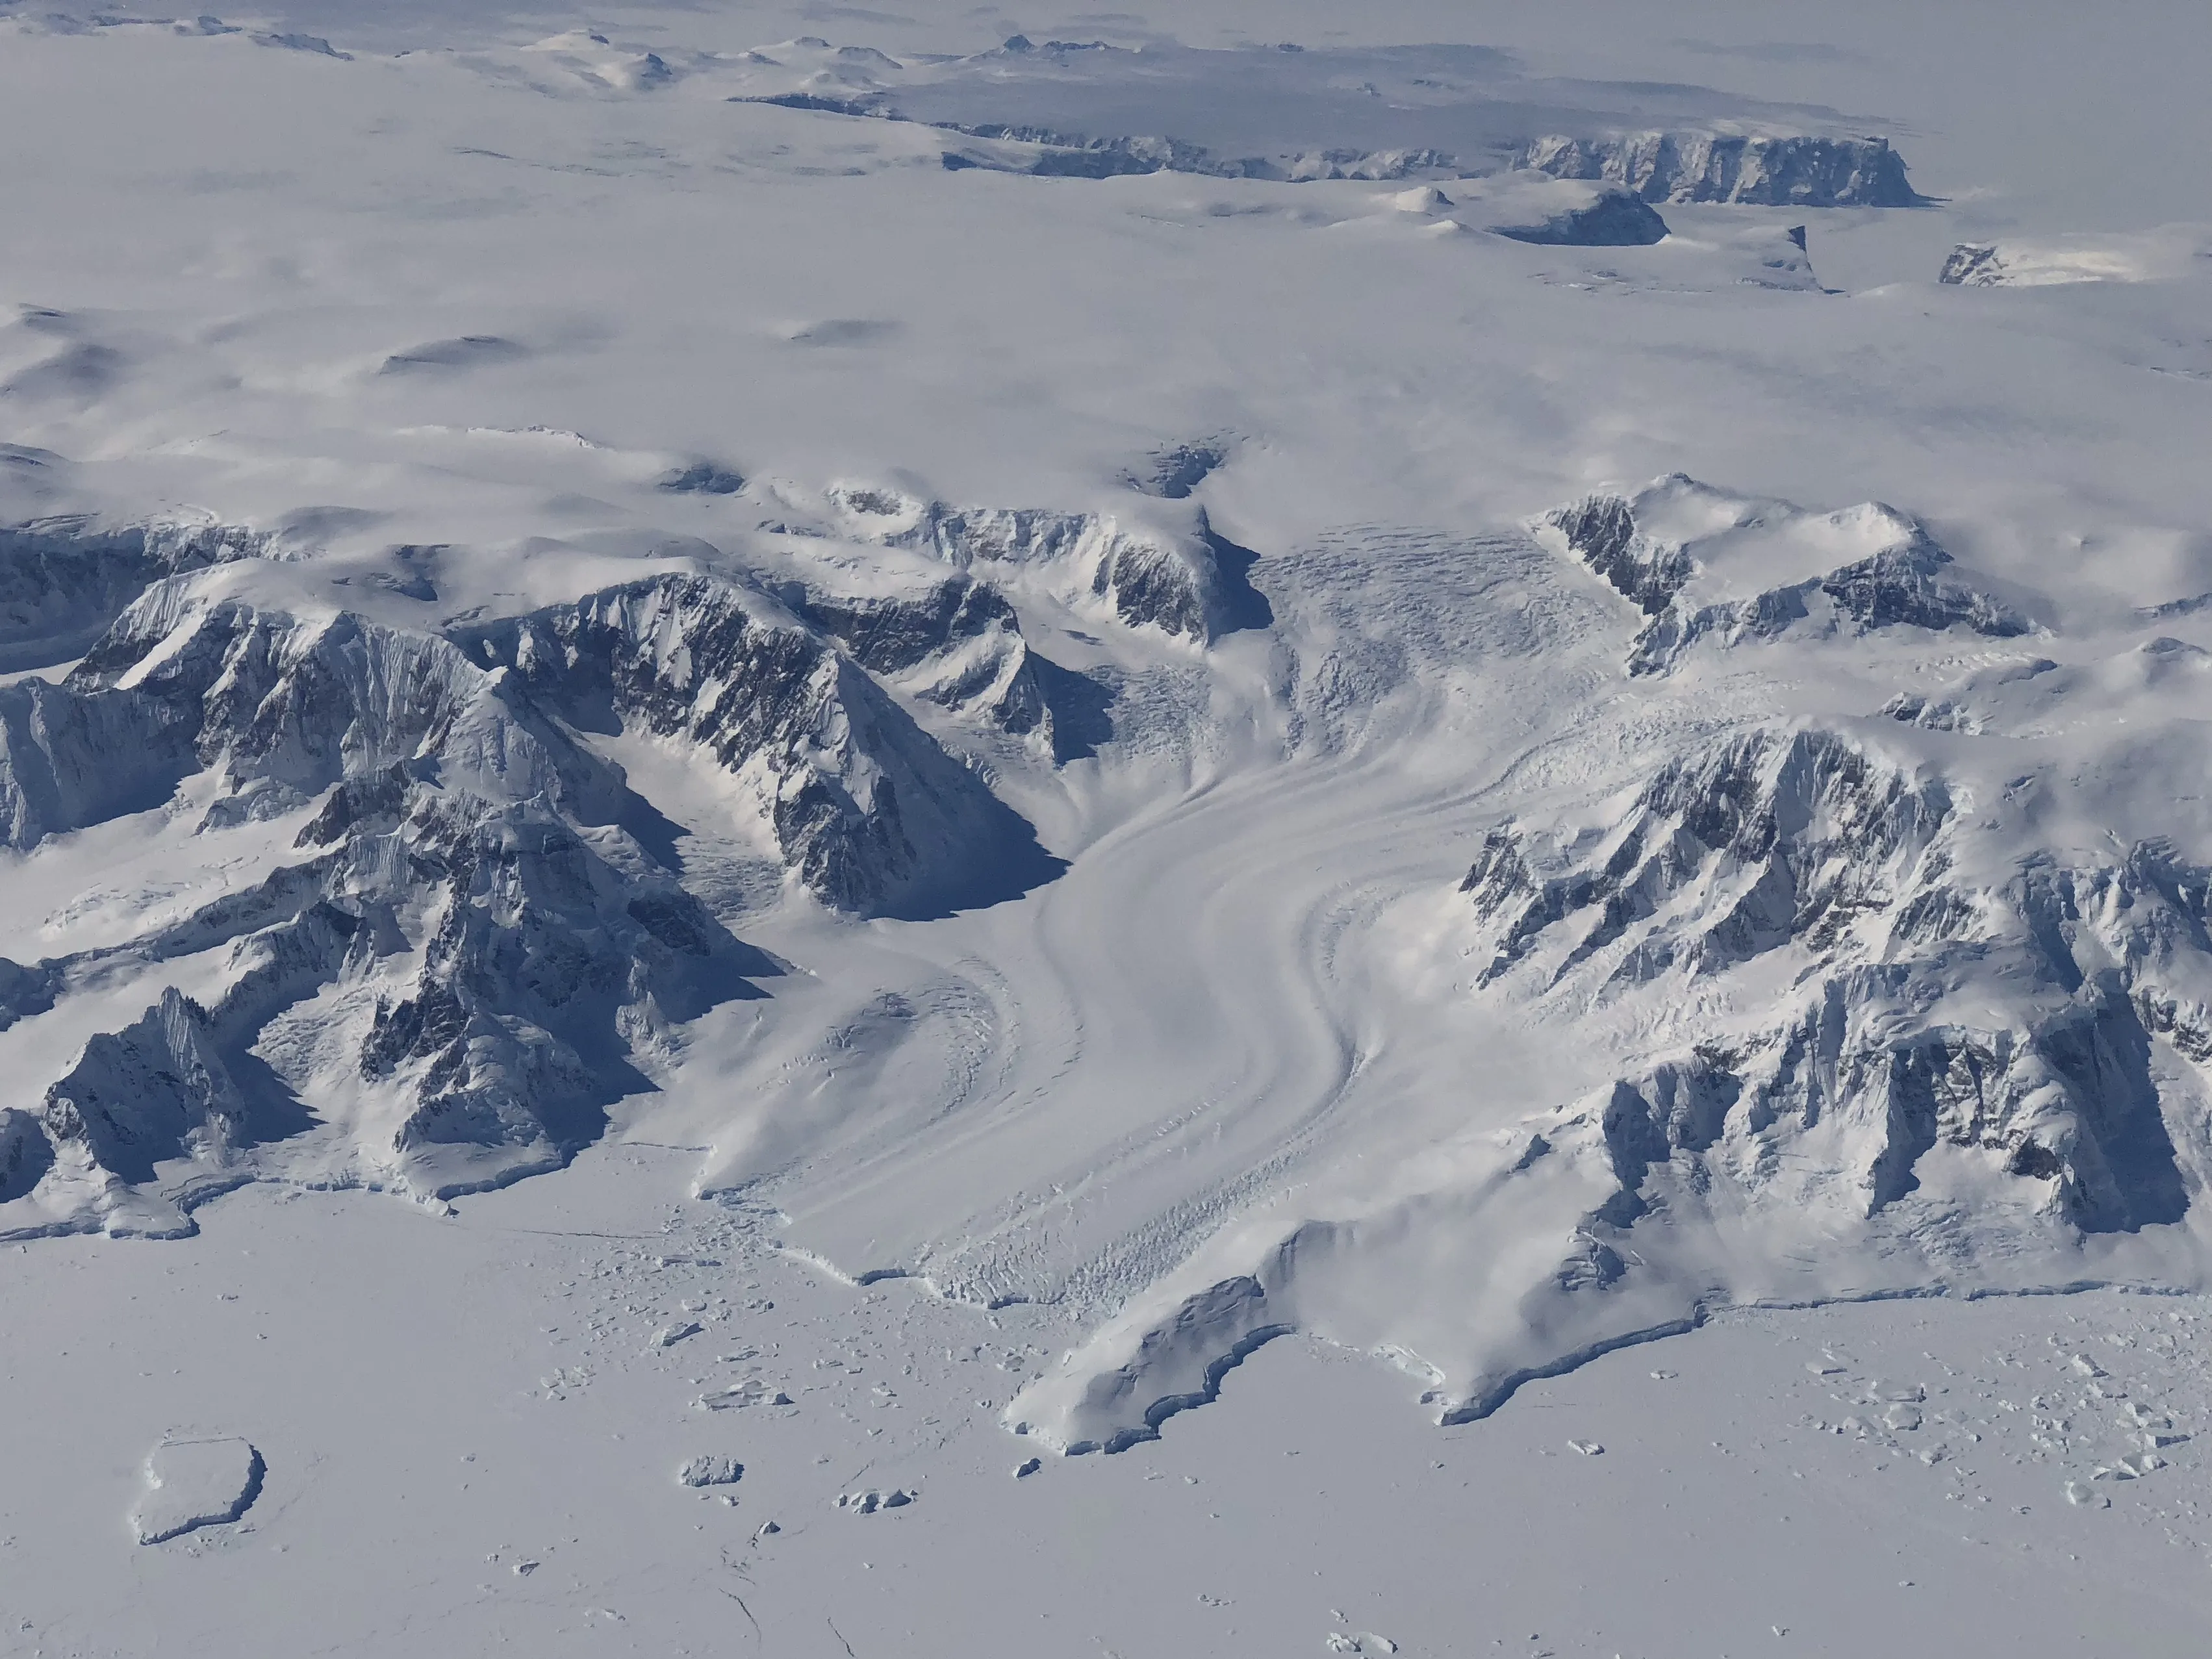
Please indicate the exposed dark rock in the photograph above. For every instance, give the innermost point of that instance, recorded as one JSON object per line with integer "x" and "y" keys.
{"x": 1689, "y": 167}
{"x": 1616, "y": 219}
{"x": 702, "y": 479}
{"x": 1972, "y": 265}
{"x": 864, "y": 806}
{"x": 1601, "y": 530}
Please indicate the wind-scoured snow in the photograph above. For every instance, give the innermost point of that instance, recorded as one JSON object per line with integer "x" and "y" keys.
{"x": 1226, "y": 693}
{"x": 193, "y": 1482}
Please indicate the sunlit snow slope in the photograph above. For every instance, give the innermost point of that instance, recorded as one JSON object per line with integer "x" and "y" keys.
{"x": 1399, "y": 692}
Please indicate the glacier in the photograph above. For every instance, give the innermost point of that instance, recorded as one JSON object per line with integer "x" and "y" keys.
{"x": 966, "y": 752}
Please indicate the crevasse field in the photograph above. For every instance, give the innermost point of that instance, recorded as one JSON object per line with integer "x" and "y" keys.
{"x": 1265, "y": 827}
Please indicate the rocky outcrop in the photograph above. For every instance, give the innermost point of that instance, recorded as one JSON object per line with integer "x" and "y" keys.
{"x": 1616, "y": 219}
{"x": 1794, "y": 171}
{"x": 1148, "y": 582}
{"x": 956, "y": 642}
{"x": 1821, "y": 881}
{"x": 1973, "y": 264}
{"x": 1771, "y": 838}
{"x": 863, "y": 805}
{"x": 1909, "y": 586}
{"x": 1190, "y": 587}
{"x": 63, "y": 580}
{"x": 1172, "y": 472}
{"x": 538, "y": 968}
{"x": 1681, "y": 552}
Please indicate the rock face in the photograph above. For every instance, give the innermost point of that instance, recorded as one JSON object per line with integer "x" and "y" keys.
{"x": 1190, "y": 587}
{"x": 69, "y": 758}
{"x": 1685, "y": 554}
{"x": 489, "y": 950}
{"x": 1973, "y": 264}
{"x": 1071, "y": 155}
{"x": 1616, "y": 219}
{"x": 64, "y": 581}
{"x": 1842, "y": 869}
{"x": 1766, "y": 172}
{"x": 863, "y": 805}
{"x": 956, "y": 642}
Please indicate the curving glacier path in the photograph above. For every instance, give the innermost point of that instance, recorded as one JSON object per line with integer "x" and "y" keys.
{"x": 757, "y": 679}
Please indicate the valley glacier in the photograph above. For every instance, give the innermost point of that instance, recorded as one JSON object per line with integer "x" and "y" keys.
{"x": 1220, "y": 710}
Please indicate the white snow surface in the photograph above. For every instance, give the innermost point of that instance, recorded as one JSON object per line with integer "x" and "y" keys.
{"x": 1176, "y": 689}
{"x": 193, "y": 1482}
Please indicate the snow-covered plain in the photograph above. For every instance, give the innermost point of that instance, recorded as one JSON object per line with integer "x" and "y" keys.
{"x": 703, "y": 704}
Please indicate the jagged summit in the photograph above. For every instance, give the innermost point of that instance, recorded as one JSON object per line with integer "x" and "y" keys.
{"x": 472, "y": 952}
{"x": 1758, "y": 171}
{"x": 1184, "y": 580}
{"x": 1704, "y": 565}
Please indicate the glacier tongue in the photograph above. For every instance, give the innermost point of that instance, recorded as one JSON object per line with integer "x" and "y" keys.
{"x": 1823, "y": 977}
{"x": 1470, "y": 937}
{"x": 1827, "y": 1003}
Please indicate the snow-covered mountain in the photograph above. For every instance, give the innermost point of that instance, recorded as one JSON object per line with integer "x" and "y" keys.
{"x": 1165, "y": 767}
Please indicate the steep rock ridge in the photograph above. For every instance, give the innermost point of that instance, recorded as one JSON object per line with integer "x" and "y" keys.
{"x": 494, "y": 973}
{"x": 956, "y": 642}
{"x": 1910, "y": 587}
{"x": 1855, "y": 1093}
{"x": 1616, "y": 219}
{"x": 490, "y": 953}
{"x": 548, "y": 965}
{"x": 1601, "y": 532}
{"x": 71, "y": 757}
{"x": 862, "y": 804}
{"x": 1190, "y": 586}
{"x": 155, "y": 1090}
{"x": 1688, "y": 556}
{"x": 1772, "y": 837}
{"x": 1879, "y": 1020}
{"x": 1796, "y": 171}
{"x": 1865, "y": 1035}
{"x": 284, "y": 705}
{"x": 63, "y": 579}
